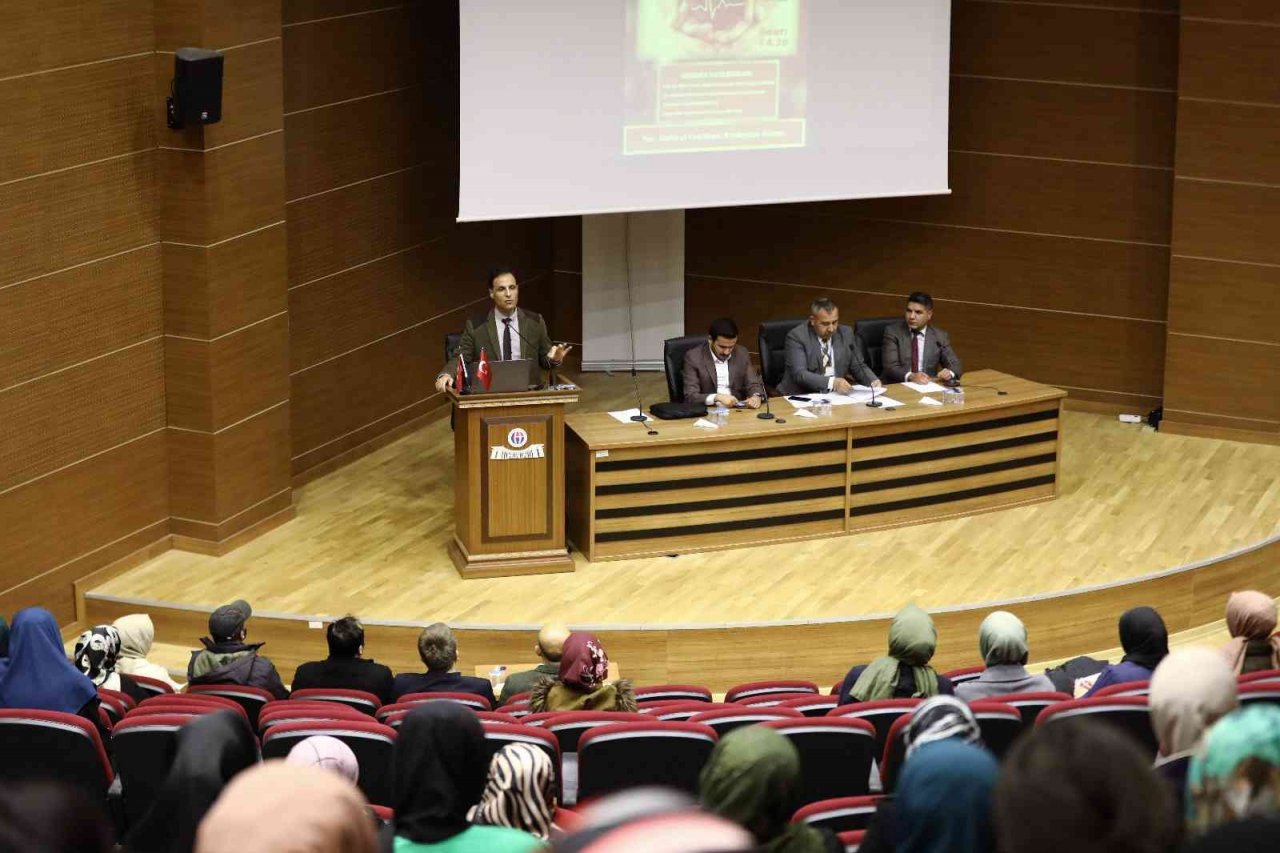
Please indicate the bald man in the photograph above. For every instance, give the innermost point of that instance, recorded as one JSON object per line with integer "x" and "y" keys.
{"x": 549, "y": 647}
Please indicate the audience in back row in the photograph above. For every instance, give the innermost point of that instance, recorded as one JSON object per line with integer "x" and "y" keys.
{"x": 96, "y": 653}
{"x": 1145, "y": 641}
{"x": 1191, "y": 690}
{"x": 39, "y": 675}
{"x": 1002, "y": 642}
{"x": 1251, "y": 621}
{"x": 346, "y": 667}
{"x": 905, "y": 671}
{"x": 137, "y": 633}
{"x": 439, "y": 651}
{"x": 581, "y": 684}
{"x": 227, "y": 659}
{"x": 550, "y": 647}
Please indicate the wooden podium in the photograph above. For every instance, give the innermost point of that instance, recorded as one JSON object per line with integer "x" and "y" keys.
{"x": 509, "y": 483}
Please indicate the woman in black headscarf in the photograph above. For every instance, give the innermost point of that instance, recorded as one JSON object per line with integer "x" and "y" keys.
{"x": 441, "y": 764}
{"x": 211, "y": 750}
{"x": 1145, "y": 641}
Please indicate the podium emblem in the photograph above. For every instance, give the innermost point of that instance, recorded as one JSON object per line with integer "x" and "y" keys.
{"x": 517, "y": 438}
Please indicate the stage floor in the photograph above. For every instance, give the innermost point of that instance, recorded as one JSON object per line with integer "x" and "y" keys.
{"x": 370, "y": 539}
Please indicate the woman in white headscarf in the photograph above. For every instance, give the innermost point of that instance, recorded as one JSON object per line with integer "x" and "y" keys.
{"x": 136, "y": 636}
{"x": 1002, "y": 642}
{"x": 1191, "y": 690}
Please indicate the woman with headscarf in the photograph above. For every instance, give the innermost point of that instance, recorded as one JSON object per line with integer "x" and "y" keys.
{"x": 943, "y": 801}
{"x": 753, "y": 779}
{"x": 439, "y": 767}
{"x": 211, "y": 750}
{"x": 1145, "y": 641}
{"x": 581, "y": 684}
{"x": 1191, "y": 689}
{"x": 1002, "y": 642}
{"x": 1251, "y": 619}
{"x": 277, "y": 806}
{"x": 137, "y": 633}
{"x": 327, "y": 753}
{"x": 1236, "y": 772}
{"x": 39, "y": 675}
{"x": 96, "y": 653}
{"x": 905, "y": 671}
{"x": 1080, "y": 786}
{"x": 520, "y": 792}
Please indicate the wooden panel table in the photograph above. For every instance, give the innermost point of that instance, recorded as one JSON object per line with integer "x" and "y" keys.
{"x": 630, "y": 494}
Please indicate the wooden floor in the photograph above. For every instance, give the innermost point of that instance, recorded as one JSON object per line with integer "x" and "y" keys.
{"x": 370, "y": 539}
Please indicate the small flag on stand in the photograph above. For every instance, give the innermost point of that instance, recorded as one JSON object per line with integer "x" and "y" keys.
{"x": 460, "y": 377}
{"x": 482, "y": 370}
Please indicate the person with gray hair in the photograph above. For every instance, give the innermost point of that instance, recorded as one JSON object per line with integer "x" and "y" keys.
{"x": 438, "y": 649}
{"x": 823, "y": 356}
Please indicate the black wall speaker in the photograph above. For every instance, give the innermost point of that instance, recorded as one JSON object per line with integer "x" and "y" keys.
{"x": 196, "y": 92}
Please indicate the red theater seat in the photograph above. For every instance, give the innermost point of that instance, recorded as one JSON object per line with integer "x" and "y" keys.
{"x": 630, "y": 755}
{"x": 50, "y": 744}
{"x": 759, "y": 688}
{"x": 835, "y": 755}
{"x": 361, "y": 700}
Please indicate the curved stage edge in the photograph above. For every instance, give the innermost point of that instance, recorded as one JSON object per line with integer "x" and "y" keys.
{"x": 719, "y": 656}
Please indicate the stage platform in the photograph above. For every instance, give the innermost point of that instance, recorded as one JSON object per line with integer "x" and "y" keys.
{"x": 1141, "y": 518}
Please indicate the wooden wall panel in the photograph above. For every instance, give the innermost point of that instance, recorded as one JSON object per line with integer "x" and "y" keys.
{"x": 1228, "y": 141}
{"x": 36, "y": 35}
{"x": 1229, "y": 221}
{"x": 64, "y": 417}
{"x": 1196, "y": 363}
{"x": 216, "y": 290}
{"x": 61, "y": 320}
{"x": 1228, "y": 61}
{"x": 222, "y": 193}
{"x": 256, "y": 478}
{"x": 214, "y": 384}
{"x": 217, "y": 24}
{"x": 1261, "y": 11}
{"x": 297, "y": 11}
{"x": 1224, "y": 299}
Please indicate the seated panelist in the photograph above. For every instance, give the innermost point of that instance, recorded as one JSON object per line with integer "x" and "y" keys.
{"x": 914, "y": 351}
{"x": 505, "y": 333}
{"x": 721, "y": 371}
{"x": 822, "y": 355}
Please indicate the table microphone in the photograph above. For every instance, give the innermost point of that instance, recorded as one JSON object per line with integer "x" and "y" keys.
{"x": 639, "y": 417}
{"x": 766, "y": 415}
{"x": 874, "y": 403}
{"x": 955, "y": 383}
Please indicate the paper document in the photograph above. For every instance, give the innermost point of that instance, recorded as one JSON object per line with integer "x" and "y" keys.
{"x": 925, "y": 388}
{"x": 800, "y": 404}
{"x": 626, "y": 415}
{"x": 805, "y": 413}
{"x": 889, "y": 402}
{"x": 930, "y": 401}
{"x": 705, "y": 424}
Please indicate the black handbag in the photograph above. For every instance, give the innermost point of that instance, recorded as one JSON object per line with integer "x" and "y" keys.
{"x": 678, "y": 411}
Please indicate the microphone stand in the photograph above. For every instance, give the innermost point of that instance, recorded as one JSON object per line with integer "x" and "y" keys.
{"x": 873, "y": 403}
{"x": 766, "y": 415}
{"x": 639, "y": 417}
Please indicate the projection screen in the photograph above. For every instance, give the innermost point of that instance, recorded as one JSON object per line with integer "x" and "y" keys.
{"x": 629, "y": 105}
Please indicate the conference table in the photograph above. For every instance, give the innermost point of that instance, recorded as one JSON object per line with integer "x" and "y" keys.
{"x": 754, "y": 481}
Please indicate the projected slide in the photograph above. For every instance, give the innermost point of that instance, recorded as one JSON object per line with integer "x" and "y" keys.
{"x": 714, "y": 75}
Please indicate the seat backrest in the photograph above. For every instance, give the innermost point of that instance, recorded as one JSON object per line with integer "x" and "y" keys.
{"x": 275, "y": 716}
{"x": 851, "y": 840}
{"x": 1259, "y": 675}
{"x": 685, "y": 710}
{"x": 960, "y": 676}
{"x": 193, "y": 698}
{"x": 761, "y": 688}
{"x": 143, "y": 747}
{"x": 152, "y": 685}
{"x": 516, "y": 708}
{"x": 870, "y": 334}
{"x": 767, "y": 700}
{"x": 1127, "y": 688}
{"x": 772, "y": 343}
{"x": 812, "y": 706}
{"x": 881, "y": 713}
{"x": 115, "y": 704}
{"x": 1259, "y": 691}
{"x": 1030, "y": 705}
{"x": 471, "y": 700}
{"x": 894, "y": 752}
{"x": 999, "y": 723}
{"x": 373, "y": 744}
{"x": 631, "y": 755}
{"x": 835, "y": 755}
{"x": 568, "y": 726}
{"x": 1129, "y": 713}
{"x": 673, "y": 350}
{"x": 842, "y": 814}
{"x": 53, "y": 745}
{"x": 361, "y": 700}
{"x": 250, "y": 698}
{"x": 682, "y": 692}
{"x": 725, "y": 720}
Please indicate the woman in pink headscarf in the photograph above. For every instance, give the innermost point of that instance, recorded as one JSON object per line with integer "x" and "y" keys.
{"x": 582, "y": 685}
{"x": 1251, "y": 619}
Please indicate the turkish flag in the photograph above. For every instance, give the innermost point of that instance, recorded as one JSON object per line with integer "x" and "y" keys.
{"x": 482, "y": 370}
{"x": 460, "y": 375}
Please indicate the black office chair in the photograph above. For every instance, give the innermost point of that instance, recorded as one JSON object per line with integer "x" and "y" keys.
{"x": 773, "y": 350}
{"x": 451, "y": 342}
{"x": 870, "y": 334}
{"x": 673, "y": 350}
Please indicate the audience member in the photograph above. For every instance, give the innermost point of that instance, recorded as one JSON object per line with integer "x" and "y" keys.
{"x": 327, "y": 753}
{"x": 1081, "y": 786}
{"x": 905, "y": 671}
{"x": 96, "y": 654}
{"x": 439, "y": 651}
{"x": 1236, "y": 772}
{"x": 277, "y": 807}
{"x": 439, "y": 770}
{"x": 1145, "y": 641}
{"x": 652, "y": 820}
{"x": 39, "y": 675}
{"x": 520, "y": 792}
{"x": 1190, "y": 690}
{"x": 550, "y": 647}
{"x": 581, "y": 684}
{"x": 4, "y": 645}
{"x": 1251, "y": 619}
{"x": 211, "y": 750}
{"x": 51, "y": 817}
{"x": 1002, "y": 642}
{"x": 753, "y": 779}
{"x": 943, "y": 801}
{"x": 227, "y": 659}
{"x": 345, "y": 668}
{"x": 137, "y": 633}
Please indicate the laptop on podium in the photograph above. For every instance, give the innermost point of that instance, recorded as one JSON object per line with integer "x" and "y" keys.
{"x": 507, "y": 376}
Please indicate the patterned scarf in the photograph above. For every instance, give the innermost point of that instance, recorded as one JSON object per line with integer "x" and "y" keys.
{"x": 521, "y": 791}
{"x": 941, "y": 718}
{"x": 584, "y": 664}
{"x": 96, "y": 652}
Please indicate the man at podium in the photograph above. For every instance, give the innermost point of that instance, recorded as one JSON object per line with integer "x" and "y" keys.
{"x": 505, "y": 333}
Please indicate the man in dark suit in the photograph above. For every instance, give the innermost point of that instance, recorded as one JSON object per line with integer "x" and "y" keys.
{"x": 439, "y": 651}
{"x": 914, "y": 351}
{"x": 721, "y": 371}
{"x": 823, "y": 356}
{"x": 506, "y": 332}
{"x": 345, "y": 668}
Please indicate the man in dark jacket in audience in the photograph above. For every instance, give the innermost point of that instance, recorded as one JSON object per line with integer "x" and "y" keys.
{"x": 227, "y": 659}
{"x": 439, "y": 651}
{"x": 345, "y": 668}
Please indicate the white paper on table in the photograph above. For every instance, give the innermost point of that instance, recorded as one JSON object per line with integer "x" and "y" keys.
{"x": 929, "y": 387}
{"x": 799, "y": 404}
{"x": 844, "y": 399}
{"x": 626, "y": 415}
{"x": 805, "y": 413}
{"x": 889, "y": 402}
{"x": 705, "y": 424}
{"x": 930, "y": 401}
